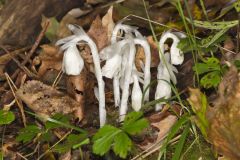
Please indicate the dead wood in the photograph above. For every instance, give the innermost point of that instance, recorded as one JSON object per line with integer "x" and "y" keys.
{"x": 20, "y": 21}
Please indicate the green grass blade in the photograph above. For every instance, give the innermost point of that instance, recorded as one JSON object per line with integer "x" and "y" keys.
{"x": 58, "y": 122}
{"x": 180, "y": 144}
{"x": 176, "y": 127}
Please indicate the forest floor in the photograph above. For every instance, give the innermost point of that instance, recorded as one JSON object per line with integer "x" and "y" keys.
{"x": 181, "y": 101}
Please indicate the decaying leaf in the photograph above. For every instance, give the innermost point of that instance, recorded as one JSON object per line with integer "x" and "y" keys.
{"x": 224, "y": 118}
{"x": 198, "y": 102}
{"x": 164, "y": 126}
{"x": 50, "y": 58}
{"x": 107, "y": 22}
{"x": 154, "y": 52}
{"x": 221, "y": 122}
{"x": 98, "y": 33}
{"x": 140, "y": 55}
{"x": 162, "y": 122}
{"x": 76, "y": 87}
{"x": 47, "y": 101}
{"x": 7, "y": 149}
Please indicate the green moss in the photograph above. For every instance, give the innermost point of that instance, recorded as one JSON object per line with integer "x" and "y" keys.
{"x": 195, "y": 149}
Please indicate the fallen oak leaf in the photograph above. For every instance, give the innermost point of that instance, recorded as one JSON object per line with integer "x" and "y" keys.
{"x": 162, "y": 122}
{"x": 107, "y": 22}
{"x": 46, "y": 101}
{"x": 224, "y": 119}
{"x": 154, "y": 52}
{"x": 76, "y": 89}
{"x": 220, "y": 123}
{"x": 50, "y": 58}
{"x": 98, "y": 33}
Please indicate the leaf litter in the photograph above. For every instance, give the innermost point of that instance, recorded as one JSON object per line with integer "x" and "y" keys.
{"x": 77, "y": 96}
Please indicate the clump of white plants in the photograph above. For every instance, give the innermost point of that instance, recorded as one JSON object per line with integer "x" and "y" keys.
{"x": 120, "y": 66}
{"x": 119, "y": 59}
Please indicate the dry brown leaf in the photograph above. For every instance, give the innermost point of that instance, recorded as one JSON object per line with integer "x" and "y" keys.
{"x": 154, "y": 52}
{"x": 76, "y": 89}
{"x": 107, "y": 22}
{"x": 224, "y": 117}
{"x": 163, "y": 122}
{"x": 98, "y": 33}
{"x": 139, "y": 58}
{"x": 8, "y": 149}
{"x": 140, "y": 55}
{"x": 164, "y": 126}
{"x": 46, "y": 101}
{"x": 66, "y": 156}
{"x": 50, "y": 58}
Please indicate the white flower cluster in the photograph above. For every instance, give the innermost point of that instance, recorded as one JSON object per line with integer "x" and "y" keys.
{"x": 119, "y": 59}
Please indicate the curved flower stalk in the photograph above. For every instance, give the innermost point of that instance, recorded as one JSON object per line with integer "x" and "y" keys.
{"x": 126, "y": 28}
{"x": 80, "y": 35}
{"x": 165, "y": 69}
{"x": 163, "y": 89}
{"x": 147, "y": 75}
{"x": 177, "y": 56}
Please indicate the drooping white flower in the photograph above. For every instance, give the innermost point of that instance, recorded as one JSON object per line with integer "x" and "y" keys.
{"x": 80, "y": 35}
{"x": 130, "y": 30}
{"x": 72, "y": 61}
{"x": 177, "y": 56}
{"x": 113, "y": 56}
{"x": 112, "y": 66}
{"x": 136, "y": 94}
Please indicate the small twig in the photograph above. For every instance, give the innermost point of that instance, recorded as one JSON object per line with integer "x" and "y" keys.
{"x": 25, "y": 69}
{"x": 60, "y": 140}
{"x": 7, "y": 107}
{"x": 57, "y": 79}
{"x": 14, "y": 53}
{"x": 155, "y": 147}
{"x": 34, "y": 151}
{"x": 34, "y": 47}
{"x": 238, "y": 30}
{"x": 19, "y": 103}
{"x": 19, "y": 154}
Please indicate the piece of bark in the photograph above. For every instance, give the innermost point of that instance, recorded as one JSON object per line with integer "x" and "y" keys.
{"x": 20, "y": 21}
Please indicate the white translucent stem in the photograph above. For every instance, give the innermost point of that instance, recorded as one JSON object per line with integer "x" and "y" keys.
{"x": 98, "y": 73}
{"x": 125, "y": 93}
{"x": 116, "y": 91}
